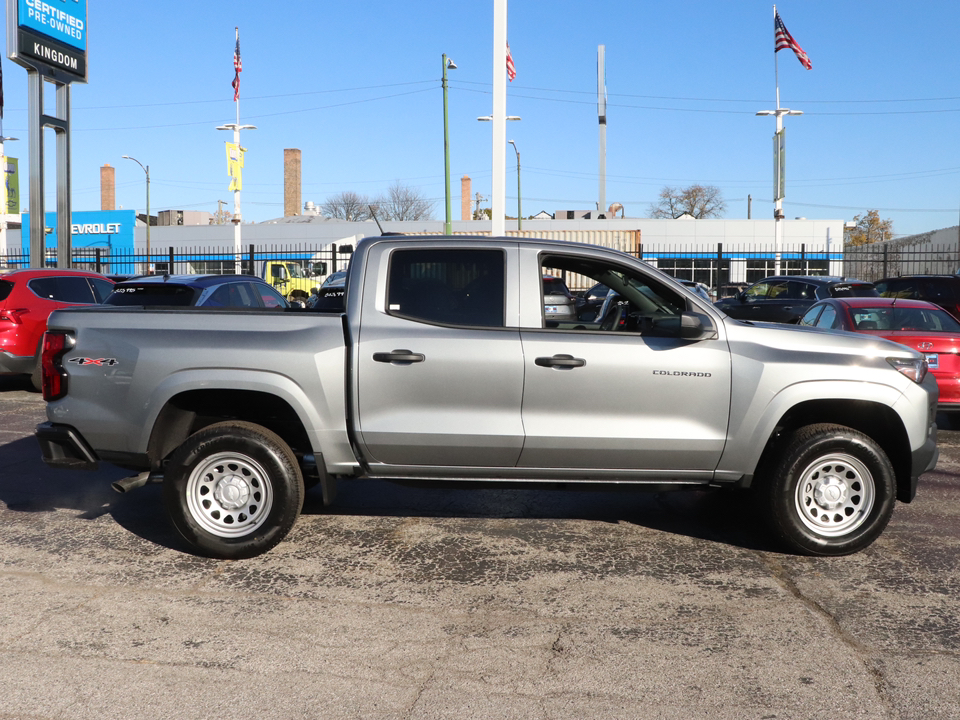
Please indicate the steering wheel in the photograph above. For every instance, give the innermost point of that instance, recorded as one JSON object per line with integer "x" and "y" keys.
{"x": 611, "y": 320}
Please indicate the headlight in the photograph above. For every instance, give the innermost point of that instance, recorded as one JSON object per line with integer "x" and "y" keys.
{"x": 913, "y": 368}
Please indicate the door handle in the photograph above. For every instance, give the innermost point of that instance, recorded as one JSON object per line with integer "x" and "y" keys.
{"x": 560, "y": 361}
{"x": 403, "y": 357}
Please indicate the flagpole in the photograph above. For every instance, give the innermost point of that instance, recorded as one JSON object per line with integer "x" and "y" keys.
{"x": 498, "y": 196}
{"x": 237, "y": 127}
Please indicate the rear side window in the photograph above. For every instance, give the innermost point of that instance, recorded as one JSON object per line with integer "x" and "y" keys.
{"x": 6, "y": 287}
{"x": 898, "y": 289}
{"x": 232, "y": 295}
{"x": 448, "y": 287}
{"x": 101, "y": 288}
{"x": 153, "y": 294}
{"x": 68, "y": 289}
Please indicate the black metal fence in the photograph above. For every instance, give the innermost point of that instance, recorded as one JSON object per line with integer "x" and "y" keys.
{"x": 873, "y": 262}
{"x": 716, "y": 266}
{"x": 193, "y": 261}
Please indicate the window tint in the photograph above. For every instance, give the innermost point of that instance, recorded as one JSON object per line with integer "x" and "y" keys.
{"x": 235, "y": 294}
{"x": 101, "y": 288}
{"x": 69, "y": 289}
{"x": 151, "y": 294}
{"x": 450, "y": 287}
{"x": 801, "y": 291}
{"x": 898, "y": 289}
{"x": 6, "y": 287}
{"x": 269, "y": 297}
{"x": 828, "y": 318}
{"x": 811, "y": 316}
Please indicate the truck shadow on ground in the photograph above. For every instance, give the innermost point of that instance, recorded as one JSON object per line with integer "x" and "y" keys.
{"x": 721, "y": 516}
{"x": 28, "y": 485}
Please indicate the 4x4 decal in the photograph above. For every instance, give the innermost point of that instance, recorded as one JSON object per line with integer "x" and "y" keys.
{"x": 109, "y": 362}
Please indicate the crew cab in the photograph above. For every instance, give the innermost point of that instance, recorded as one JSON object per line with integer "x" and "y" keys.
{"x": 444, "y": 366}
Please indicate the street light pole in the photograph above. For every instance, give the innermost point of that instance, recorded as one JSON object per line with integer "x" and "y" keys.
{"x": 779, "y": 176}
{"x": 237, "y": 218}
{"x": 146, "y": 169}
{"x": 447, "y": 225}
{"x": 519, "y": 210}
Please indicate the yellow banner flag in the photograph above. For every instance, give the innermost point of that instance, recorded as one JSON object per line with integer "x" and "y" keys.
{"x": 235, "y": 166}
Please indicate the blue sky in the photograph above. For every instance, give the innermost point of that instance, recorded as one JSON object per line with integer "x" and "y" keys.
{"x": 357, "y": 88}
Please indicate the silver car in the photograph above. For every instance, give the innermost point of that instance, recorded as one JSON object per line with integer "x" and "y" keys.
{"x": 558, "y": 302}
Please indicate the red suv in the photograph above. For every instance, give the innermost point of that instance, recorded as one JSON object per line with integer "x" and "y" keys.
{"x": 27, "y": 297}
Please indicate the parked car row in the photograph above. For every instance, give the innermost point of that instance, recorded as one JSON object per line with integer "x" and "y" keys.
{"x": 27, "y": 297}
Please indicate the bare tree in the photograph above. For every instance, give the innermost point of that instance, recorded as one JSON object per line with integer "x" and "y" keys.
{"x": 870, "y": 229}
{"x": 699, "y": 201}
{"x": 347, "y": 205}
{"x": 403, "y": 202}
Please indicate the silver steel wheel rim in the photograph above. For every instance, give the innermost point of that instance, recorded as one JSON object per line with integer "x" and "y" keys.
{"x": 229, "y": 495}
{"x": 835, "y": 495}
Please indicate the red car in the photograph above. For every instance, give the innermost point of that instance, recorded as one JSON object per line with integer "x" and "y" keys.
{"x": 918, "y": 324}
{"x": 27, "y": 297}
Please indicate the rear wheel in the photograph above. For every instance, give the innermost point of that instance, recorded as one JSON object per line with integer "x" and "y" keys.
{"x": 831, "y": 493}
{"x": 233, "y": 490}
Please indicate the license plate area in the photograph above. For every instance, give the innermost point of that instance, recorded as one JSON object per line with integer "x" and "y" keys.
{"x": 933, "y": 360}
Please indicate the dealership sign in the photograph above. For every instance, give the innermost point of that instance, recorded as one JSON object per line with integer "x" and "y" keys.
{"x": 49, "y": 34}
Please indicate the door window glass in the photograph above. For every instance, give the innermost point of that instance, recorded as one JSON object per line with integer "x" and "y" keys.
{"x": 634, "y": 302}
{"x": 68, "y": 289}
{"x": 828, "y": 319}
{"x": 448, "y": 287}
{"x": 101, "y": 288}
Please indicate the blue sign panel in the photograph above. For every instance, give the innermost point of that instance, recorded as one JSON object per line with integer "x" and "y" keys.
{"x": 105, "y": 236}
{"x": 62, "y": 20}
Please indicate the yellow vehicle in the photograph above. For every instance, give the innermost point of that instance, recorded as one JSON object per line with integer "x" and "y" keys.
{"x": 295, "y": 279}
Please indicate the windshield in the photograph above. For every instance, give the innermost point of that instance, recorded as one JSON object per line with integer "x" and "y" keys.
{"x": 295, "y": 270}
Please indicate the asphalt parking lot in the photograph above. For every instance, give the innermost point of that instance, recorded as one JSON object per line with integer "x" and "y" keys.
{"x": 439, "y": 603}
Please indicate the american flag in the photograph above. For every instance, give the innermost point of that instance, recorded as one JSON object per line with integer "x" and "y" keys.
{"x": 511, "y": 70}
{"x": 237, "y": 68}
{"x": 785, "y": 40}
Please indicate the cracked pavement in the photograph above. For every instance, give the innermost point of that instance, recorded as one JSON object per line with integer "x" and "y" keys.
{"x": 416, "y": 604}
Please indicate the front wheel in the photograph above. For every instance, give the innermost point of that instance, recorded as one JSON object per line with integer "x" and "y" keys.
{"x": 831, "y": 493}
{"x": 233, "y": 490}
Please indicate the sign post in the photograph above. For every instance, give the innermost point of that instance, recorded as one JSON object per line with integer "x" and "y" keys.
{"x": 50, "y": 41}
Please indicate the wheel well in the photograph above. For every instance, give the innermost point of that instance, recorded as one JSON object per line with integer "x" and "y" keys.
{"x": 878, "y": 421}
{"x": 191, "y": 411}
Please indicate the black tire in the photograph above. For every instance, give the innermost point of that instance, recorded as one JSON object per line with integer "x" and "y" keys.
{"x": 831, "y": 493}
{"x": 233, "y": 490}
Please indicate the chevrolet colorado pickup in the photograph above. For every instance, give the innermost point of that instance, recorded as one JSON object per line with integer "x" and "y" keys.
{"x": 445, "y": 365}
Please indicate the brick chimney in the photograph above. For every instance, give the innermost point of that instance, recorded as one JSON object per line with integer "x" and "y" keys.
{"x": 466, "y": 198}
{"x": 108, "y": 187}
{"x": 291, "y": 181}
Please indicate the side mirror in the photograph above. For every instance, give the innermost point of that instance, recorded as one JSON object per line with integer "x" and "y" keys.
{"x": 691, "y": 326}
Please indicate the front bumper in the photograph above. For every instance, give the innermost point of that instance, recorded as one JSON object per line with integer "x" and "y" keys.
{"x": 63, "y": 446}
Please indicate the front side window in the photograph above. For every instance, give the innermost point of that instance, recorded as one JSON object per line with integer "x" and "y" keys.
{"x": 633, "y": 302}
{"x": 448, "y": 287}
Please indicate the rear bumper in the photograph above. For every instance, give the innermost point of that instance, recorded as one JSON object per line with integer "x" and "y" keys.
{"x": 16, "y": 364}
{"x": 63, "y": 447}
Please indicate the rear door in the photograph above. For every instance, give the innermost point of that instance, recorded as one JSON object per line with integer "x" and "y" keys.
{"x": 439, "y": 366}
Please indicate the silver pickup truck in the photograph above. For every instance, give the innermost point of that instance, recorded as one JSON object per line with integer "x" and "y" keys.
{"x": 444, "y": 364}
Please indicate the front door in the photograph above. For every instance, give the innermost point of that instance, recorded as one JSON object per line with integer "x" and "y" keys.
{"x": 626, "y": 393}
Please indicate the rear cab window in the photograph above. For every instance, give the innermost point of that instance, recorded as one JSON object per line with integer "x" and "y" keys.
{"x": 461, "y": 287}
